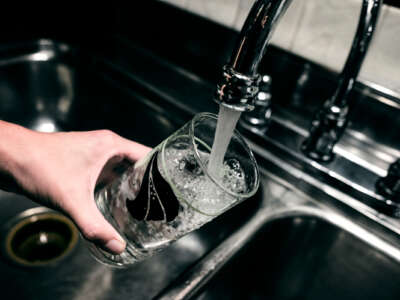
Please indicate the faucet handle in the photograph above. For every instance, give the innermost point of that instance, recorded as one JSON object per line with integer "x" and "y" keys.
{"x": 389, "y": 186}
{"x": 259, "y": 117}
{"x": 326, "y": 129}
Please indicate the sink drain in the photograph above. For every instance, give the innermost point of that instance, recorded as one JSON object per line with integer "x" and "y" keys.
{"x": 39, "y": 236}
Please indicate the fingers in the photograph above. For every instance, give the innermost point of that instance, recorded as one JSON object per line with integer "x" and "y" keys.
{"x": 120, "y": 154}
{"x": 85, "y": 213}
{"x": 95, "y": 228}
{"x": 132, "y": 150}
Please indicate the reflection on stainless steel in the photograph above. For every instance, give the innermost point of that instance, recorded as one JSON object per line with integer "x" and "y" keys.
{"x": 389, "y": 186}
{"x": 39, "y": 82}
{"x": 44, "y": 55}
{"x": 44, "y": 124}
{"x": 97, "y": 284}
{"x": 260, "y": 115}
{"x": 354, "y": 154}
{"x": 66, "y": 85}
{"x": 47, "y": 50}
{"x": 195, "y": 278}
{"x": 385, "y": 91}
{"x": 192, "y": 244}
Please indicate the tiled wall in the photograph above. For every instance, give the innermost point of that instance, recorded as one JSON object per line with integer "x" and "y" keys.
{"x": 320, "y": 30}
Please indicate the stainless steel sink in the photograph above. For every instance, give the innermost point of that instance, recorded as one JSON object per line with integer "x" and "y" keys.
{"x": 306, "y": 257}
{"x": 50, "y": 86}
{"x": 297, "y": 248}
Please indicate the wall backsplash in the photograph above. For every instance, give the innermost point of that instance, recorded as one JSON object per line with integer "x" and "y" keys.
{"x": 321, "y": 31}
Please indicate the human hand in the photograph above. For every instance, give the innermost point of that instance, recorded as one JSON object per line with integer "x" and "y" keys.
{"x": 61, "y": 170}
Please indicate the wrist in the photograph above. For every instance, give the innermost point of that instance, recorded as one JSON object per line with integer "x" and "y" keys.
{"x": 15, "y": 149}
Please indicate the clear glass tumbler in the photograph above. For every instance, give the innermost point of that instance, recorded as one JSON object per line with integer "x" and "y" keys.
{"x": 170, "y": 192}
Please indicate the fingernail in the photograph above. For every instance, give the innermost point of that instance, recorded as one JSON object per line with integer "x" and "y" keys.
{"x": 115, "y": 246}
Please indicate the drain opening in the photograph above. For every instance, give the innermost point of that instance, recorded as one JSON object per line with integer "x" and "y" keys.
{"x": 40, "y": 238}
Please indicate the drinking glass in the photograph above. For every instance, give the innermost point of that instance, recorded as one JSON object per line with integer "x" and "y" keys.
{"x": 170, "y": 192}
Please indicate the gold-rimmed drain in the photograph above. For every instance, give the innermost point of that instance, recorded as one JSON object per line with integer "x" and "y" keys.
{"x": 40, "y": 236}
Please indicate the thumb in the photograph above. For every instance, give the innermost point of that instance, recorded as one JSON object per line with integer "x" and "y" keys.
{"x": 96, "y": 229}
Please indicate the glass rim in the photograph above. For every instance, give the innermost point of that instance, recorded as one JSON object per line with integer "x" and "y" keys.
{"x": 203, "y": 167}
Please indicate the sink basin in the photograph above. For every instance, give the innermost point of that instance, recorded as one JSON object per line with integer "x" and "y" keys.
{"x": 50, "y": 86}
{"x": 306, "y": 257}
{"x": 297, "y": 247}
{"x": 53, "y": 87}
{"x": 300, "y": 249}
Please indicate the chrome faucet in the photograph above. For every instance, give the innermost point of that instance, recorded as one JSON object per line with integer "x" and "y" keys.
{"x": 389, "y": 186}
{"x": 330, "y": 121}
{"x": 240, "y": 83}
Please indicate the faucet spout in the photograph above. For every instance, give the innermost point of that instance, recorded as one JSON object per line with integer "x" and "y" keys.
{"x": 240, "y": 80}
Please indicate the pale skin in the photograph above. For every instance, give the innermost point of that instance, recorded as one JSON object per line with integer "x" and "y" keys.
{"x": 61, "y": 170}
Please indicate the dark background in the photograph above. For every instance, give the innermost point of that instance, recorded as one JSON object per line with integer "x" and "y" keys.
{"x": 151, "y": 24}
{"x": 392, "y": 2}
{"x": 74, "y": 21}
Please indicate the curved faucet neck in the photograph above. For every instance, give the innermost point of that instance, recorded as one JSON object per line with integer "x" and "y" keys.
{"x": 256, "y": 34}
{"x": 366, "y": 26}
{"x": 240, "y": 80}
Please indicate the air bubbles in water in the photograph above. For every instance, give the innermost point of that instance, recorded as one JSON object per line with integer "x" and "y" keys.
{"x": 234, "y": 175}
{"x": 190, "y": 164}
